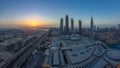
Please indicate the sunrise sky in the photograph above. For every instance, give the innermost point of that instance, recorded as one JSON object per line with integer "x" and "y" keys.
{"x": 19, "y": 13}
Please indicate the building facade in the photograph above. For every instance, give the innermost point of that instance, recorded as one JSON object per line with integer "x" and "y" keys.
{"x": 61, "y": 26}
{"x": 80, "y": 27}
{"x": 72, "y": 25}
{"x": 67, "y": 24}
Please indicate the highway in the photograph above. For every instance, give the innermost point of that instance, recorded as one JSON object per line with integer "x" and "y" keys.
{"x": 19, "y": 59}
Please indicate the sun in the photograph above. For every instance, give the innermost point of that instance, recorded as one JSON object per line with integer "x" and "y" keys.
{"x": 33, "y": 23}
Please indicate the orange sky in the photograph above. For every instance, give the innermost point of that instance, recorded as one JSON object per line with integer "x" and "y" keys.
{"x": 29, "y": 23}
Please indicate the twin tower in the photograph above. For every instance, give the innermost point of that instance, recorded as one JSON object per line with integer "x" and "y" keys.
{"x": 65, "y": 29}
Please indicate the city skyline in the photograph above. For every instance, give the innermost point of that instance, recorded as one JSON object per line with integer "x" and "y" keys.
{"x": 19, "y": 13}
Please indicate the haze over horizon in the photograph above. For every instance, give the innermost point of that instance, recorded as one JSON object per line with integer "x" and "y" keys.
{"x": 21, "y": 13}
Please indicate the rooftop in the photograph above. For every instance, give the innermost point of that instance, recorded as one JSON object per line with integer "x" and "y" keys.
{"x": 81, "y": 53}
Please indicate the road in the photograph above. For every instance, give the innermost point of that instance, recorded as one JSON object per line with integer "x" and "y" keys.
{"x": 18, "y": 60}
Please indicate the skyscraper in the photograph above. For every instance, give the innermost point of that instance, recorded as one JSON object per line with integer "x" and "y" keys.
{"x": 118, "y": 26}
{"x": 94, "y": 28}
{"x": 61, "y": 26}
{"x": 80, "y": 27}
{"x": 72, "y": 25}
{"x": 67, "y": 24}
{"x": 91, "y": 29}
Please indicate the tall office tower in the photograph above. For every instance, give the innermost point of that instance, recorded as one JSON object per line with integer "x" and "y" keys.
{"x": 80, "y": 27}
{"x": 94, "y": 27}
{"x": 61, "y": 26}
{"x": 64, "y": 29}
{"x": 72, "y": 25}
{"x": 67, "y": 24}
{"x": 98, "y": 29}
{"x": 91, "y": 29}
{"x": 118, "y": 26}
